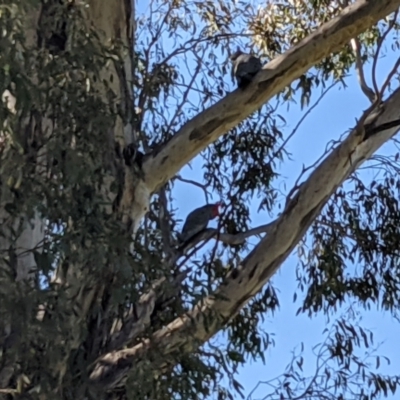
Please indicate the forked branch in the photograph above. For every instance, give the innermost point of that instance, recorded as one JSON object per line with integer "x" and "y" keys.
{"x": 191, "y": 330}
{"x": 356, "y": 46}
{"x": 194, "y": 328}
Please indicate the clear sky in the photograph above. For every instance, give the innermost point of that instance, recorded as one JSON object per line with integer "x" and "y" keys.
{"x": 335, "y": 114}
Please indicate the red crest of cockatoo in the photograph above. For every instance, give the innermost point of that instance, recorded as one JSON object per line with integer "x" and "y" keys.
{"x": 198, "y": 220}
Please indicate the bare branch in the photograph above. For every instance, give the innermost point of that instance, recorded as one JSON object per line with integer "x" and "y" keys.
{"x": 301, "y": 120}
{"x": 378, "y": 51}
{"x": 355, "y": 44}
{"x": 389, "y": 78}
{"x": 192, "y": 182}
{"x": 8, "y": 391}
{"x": 228, "y": 238}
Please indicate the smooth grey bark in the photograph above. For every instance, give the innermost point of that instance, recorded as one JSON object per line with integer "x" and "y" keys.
{"x": 187, "y": 333}
{"x": 213, "y": 122}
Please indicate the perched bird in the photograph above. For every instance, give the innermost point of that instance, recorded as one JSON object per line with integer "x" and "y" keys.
{"x": 244, "y": 67}
{"x": 198, "y": 219}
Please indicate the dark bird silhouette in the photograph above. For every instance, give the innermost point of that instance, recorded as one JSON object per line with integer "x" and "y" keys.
{"x": 244, "y": 67}
{"x": 198, "y": 220}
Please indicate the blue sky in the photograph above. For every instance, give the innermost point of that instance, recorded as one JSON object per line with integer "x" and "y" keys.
{"x": 335, "y": 115}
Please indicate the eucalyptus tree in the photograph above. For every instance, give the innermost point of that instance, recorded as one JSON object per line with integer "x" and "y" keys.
{"x": 102, "y": 106}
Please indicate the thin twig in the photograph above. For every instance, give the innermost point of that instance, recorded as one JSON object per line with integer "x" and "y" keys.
{"x": 301, "y": 120}
{"x": 378, "y": 50}
{"x": 389, "y": 77}
{"x": 228, "y": 238}
{"x": 214, "y": 250}
{"x": 202, "y": 187}
{"x": 185, "y": 96}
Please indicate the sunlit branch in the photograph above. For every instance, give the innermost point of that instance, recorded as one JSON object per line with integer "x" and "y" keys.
{"x": 355, "y": 44}
{"x": 243, "y": 282}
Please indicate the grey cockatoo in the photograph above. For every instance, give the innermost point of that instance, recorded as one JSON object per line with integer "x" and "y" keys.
{"x": 198, "y": 220}
{"x": 244, "y": 67}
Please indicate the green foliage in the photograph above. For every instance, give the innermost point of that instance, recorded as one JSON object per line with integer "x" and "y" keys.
{"x": 54, "y": 164}
{"x": 57, "y": 160}
{"x": 343, "y": 370}
{"x": 355, "y": 250}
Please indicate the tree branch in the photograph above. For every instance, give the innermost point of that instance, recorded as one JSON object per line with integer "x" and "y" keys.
{"x": 194, "y": 183}
{"x": 371, "y": 95}
{"x": 227, "y": 238}
{"x": 161, "y": 290}
{"x": 139, "y": 316}
{"x": 212, "y": 313}
{"x": 206, "y": 127}
{"x": 188, "y": 332}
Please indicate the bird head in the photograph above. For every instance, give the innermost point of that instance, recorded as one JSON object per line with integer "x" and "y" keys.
{"x": 236, "y": 54}
{"x": 216, "y": 209}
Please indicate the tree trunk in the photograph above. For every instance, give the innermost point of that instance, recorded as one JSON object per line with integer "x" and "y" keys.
{"x": 23, "y": 229}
